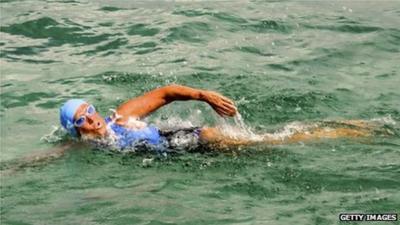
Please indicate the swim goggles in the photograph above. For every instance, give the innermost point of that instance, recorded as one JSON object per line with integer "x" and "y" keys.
{"x": 90, "y": 110}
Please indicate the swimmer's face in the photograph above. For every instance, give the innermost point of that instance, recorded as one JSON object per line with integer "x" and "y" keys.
{"x": 94, "y": 125}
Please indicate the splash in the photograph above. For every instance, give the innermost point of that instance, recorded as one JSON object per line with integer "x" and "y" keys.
{"x": 289, "y": 130}
{"x": 57, "y": 134}
{"x": 238, "y": 130}
{"x": 386, "y": 120}
{"x": 133, "y": 122}
{"x": 174, "y": 123}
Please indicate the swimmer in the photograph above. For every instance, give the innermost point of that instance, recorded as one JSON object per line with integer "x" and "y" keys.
{"x": 125, "y": 130}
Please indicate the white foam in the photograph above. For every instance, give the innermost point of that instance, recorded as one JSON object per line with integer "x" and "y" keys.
{"x": 386, "y": 120}
{"x": 56, "y": 134}
{"x": 173, "y": 123}
{"x": 239, "y": 130}
{"x": 289, "y": 130}
{"x": 133, "y": 122}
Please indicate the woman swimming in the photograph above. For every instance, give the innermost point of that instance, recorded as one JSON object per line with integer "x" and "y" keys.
{"x": 125, "y": 130}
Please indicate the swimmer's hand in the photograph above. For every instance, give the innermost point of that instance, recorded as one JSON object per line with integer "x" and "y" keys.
{"x": 221, "y": 104}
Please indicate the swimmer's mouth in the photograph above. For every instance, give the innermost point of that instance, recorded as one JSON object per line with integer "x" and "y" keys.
{"x": 99, "y": 125}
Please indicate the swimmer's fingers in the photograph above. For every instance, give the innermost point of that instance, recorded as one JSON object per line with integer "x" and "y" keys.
{"x": 217, "y": 110}
{"x": 221, "y": 104}
{"x": 223, "y": 110}
{"x": 231, "y": 109}
{"x": 220, "y": 112}
{"x": 224, "y": 99}
{"x": 227, "y": 100}
{"x": 230, "y": 104}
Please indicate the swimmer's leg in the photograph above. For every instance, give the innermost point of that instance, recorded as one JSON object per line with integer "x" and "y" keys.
{"x": 326, "y": 133}
{"x": 214, "y": 136}
{"x": 358, "y": 129}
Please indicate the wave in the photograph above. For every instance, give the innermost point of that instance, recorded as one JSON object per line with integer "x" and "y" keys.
{"x": 267, "y": 26}
{"x": 110, "y": 47}
{"x": 56, "y": 33}
{"x": 12, "y": 100}
{"x": 222, "y": 16}
{"x": 195, "y": 32}
{"x": 142, "y": 30}
{"x": 347, "y": 28}
{"x": 110, "y": 9}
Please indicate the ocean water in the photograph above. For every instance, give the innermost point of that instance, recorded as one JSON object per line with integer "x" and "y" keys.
{"x": 284, "y": 63}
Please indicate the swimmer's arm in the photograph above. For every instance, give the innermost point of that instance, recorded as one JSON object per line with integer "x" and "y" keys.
{"x": 49, "y": 154}
{"x": 151, "y": 101}
{"x": 36, "y": 158}
{"x": 52, "y": 153}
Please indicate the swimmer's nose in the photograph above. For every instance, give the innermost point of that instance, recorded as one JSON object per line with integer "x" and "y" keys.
{"x": 89, "y": 119}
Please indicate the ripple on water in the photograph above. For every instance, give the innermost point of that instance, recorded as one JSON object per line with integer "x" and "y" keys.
{"x": 12, "y": 100}
{"x": 253, "y": 50}
{"x": 145, "y": 47}
{"x": 25, "y": 50}
{"x": 56, "y": 33}
{"x": 266, "y": 26}
{"x": 123, "y": 78}
{"x": 289, "y": 105}
{"x": 111, "y": 46}
{"x": 347, "y": 28}
{"x": 249, "y": 188}
{"x": 196, "y": 32}
{"x": 222, "y": 16}
{"x": 110, "y": 9}
{"x": 387, "y": 40}
{"x": 142, "y": 30}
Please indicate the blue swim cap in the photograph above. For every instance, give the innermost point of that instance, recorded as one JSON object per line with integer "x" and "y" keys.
{"x": 67, "y": 112}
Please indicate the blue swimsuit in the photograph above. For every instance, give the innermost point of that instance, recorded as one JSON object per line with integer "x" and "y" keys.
{"x": 127, "y": 137}
{"x": 150, "y": 137}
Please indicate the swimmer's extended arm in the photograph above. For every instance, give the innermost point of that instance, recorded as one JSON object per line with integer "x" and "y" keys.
{"x": 151, "y": 101}
{"x": 38, "y": 157}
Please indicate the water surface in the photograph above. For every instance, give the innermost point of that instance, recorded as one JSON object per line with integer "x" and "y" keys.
{"x": 281, "y": 62}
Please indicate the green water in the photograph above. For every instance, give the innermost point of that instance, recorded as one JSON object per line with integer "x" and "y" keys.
{"x": 281, "y": 62}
